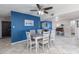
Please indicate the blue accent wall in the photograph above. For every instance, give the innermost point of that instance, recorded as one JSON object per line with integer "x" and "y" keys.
{"x": 17, "y": 21}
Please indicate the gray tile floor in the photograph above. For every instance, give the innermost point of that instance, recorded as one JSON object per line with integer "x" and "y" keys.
{"x": 61, "y": 45}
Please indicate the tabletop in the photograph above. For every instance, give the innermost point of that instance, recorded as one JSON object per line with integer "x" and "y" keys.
{"x": 37, "y": 36}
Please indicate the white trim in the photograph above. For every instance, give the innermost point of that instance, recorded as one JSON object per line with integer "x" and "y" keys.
{"x": 18, "y": 42}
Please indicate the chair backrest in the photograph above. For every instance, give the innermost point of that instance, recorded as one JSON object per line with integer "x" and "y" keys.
{"x": 46, "y": 35}
{"x": 32, "y": 32}
{"x": 52, "y": 36}
{"x": 28, "y": 35}
{"x": 39, "y": 31}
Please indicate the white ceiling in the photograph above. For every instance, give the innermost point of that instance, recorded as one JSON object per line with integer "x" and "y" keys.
{"x": 64, "y": 11}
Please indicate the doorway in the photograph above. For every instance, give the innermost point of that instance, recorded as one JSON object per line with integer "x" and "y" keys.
{"x": 6, "y": 28}
{"x": 73, "y": 25}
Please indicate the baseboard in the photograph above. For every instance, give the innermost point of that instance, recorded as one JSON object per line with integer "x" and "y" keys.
{"x": 18, "y": 42}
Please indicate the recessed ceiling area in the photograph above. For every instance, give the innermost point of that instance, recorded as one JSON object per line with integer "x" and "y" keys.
{"x": 64, "y": 11}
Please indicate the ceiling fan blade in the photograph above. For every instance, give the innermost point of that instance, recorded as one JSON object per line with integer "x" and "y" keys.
{"x": 47, "y": 8}
{"x": 39, "y": 7}
{"x": 33, "y": 10}
{"x": 46, "y": 12}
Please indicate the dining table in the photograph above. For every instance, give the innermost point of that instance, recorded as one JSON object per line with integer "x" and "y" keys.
{"x": 37, "y": 37}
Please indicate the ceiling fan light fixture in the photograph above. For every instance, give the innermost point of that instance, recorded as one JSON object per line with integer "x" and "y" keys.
{"x": 40, "y": 12}
{"x": 56, "y": 17}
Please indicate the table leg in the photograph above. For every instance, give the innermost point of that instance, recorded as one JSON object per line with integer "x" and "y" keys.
{"x": 36, "y": 45}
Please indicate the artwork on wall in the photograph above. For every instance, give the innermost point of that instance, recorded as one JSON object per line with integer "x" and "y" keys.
{"x": 44, "y": 25}
{"x": 28, "y": 22}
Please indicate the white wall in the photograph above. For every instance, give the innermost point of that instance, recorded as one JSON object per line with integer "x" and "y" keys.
{"x": 0, "y": 29}
{"x": 67, "y": 29}
{"x": 77, "y": 29}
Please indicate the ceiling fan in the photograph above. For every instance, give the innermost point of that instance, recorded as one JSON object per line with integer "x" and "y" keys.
{"x": 41, "y": 10}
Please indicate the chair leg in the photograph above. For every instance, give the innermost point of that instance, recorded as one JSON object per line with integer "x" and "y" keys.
{"x": 48, "y": 45}
{"x": 27, "y": 46}
{"x": 43, "y": 47}
{"x": 30, "y": 48}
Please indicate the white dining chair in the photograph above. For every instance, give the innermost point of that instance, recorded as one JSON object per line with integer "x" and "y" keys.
{"x": 45, "y": 39}
{"x": 52, "y": 35}
{"x": 30, "y": 42}
{"x": 32, "y": 32}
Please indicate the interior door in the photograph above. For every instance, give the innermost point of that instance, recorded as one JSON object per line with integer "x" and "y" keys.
{"x": 6, "y": 28}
